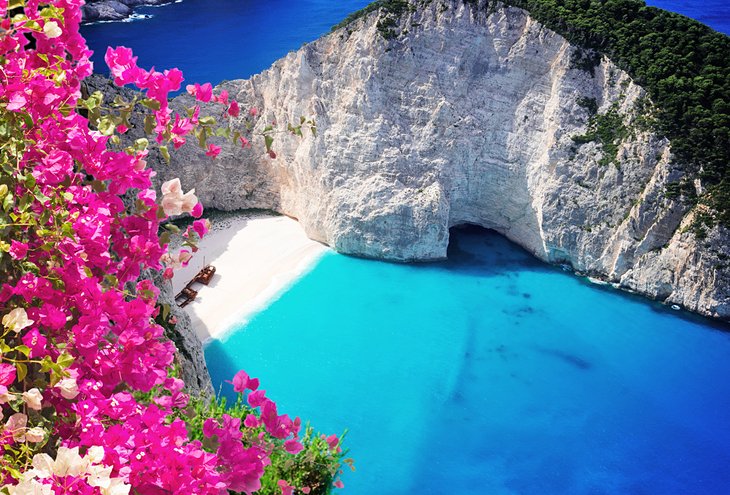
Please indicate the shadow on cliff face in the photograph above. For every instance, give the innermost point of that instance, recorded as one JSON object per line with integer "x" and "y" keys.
{"x": 484, "y": 252}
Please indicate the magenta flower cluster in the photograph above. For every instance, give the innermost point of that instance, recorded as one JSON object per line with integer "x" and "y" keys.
{"x": 78, "y": 341}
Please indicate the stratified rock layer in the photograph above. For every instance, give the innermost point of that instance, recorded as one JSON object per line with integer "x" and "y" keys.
{"x": 466, "y": 115}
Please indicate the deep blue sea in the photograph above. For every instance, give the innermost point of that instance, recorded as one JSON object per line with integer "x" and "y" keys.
{"x": 215, "y": 40}
{"x": 490, "y": 373}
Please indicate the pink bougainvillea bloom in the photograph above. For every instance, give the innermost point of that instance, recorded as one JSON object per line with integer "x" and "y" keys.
{"x": 245, "y": 143}
{"x": 121, "y": 128}
{"x": 7, "y": 374}
{"x": 168, "y": 274}
{"x": 253, "y": 112}
{"x": 213, "y": 150}
{"x": 234, "y": 110}
{"x": 197, "y": 210}
{"x": 35, "y": 341}
{"x": 201, "y": 227}
{"x": 306, "y": 490}
{"x": 222, "y": 98}
{"x": 286, "y": 488}
{"x": 333, "y": 442}
{"x": 255, "y": 399}
{"x": 338, "y": 484}
{"x": 185, "y": 256}
{"x": 202, "y": 93}
{"x": 293, "y": 446}
{"x": 251, "y": 421}
{"x": 18, "y": 250}
{"x": 17, "y": 101}
{"x": 272, "y": 155}
{"x": 242, "y": 382}
{"x": 122, "y": 65}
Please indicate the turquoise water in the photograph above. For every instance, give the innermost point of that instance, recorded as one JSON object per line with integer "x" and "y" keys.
{"x": 493, "y": 373}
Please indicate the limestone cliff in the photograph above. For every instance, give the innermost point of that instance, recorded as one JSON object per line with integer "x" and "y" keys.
{"x": 452, "y": 114}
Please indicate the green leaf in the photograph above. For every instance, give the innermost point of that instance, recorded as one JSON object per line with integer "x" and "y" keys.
{"x": 46, "y": 364}
{"x": 165, "y": 311}
{"x": 165, "y": 153}
{"x": 149, "y": 124}
{"x": 268, "y": 140}
{"x": 30, "y": 181}
{"x": 65, "y": 360}
{"x": 24, "y": 349}
{"x": 22, "y": 370}
{"x": 151, "y": 104}
{"x": 8, "y": 202}
{"x": 172, "y": 228}
{"x": 165, "y": 238}
{"x": 207, "y": 120}
{"x": 106, "y": 126}
{"x": 141, "y": 144}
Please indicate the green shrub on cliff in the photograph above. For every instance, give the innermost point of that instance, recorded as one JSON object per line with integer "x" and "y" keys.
{"x": 683, "y": 65}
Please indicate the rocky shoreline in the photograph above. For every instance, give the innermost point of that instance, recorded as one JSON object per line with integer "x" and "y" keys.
{"x": 114, "y": 10}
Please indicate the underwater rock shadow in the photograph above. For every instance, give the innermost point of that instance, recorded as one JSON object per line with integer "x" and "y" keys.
{"x": 566, "y": 357}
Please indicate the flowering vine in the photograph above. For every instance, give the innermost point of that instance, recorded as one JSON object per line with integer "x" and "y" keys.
{"x": 88, "y": 403}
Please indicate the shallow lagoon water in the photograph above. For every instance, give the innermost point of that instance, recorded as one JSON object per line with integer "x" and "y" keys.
{"x": 493, "y": 373}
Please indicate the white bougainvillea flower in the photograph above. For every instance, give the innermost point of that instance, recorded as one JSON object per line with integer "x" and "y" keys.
{"x": 35, "y": 435}
{"x": 16, "y": 426}
{"x": 68, "y": 462}
{"x": 17, "y": 320}
{"x": 5, "y": 396}
{"x": 33, "y": 399}
{"x": 69, "y": 388}
{"x": 174, "y": 202}
{"x": 51, "y": 29}
{"x": 29, "y": 487}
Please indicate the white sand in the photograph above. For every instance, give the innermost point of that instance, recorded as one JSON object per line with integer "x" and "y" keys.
{"x": 256, "y": 258}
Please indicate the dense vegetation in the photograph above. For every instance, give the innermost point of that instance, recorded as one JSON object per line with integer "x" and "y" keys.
{"x": 683, "y": 64}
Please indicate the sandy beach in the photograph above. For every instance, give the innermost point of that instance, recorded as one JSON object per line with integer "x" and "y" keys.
{"x": 256, "y": 256}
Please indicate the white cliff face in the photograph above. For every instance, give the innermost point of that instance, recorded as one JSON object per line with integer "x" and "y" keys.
{"x": 466, "y": 117}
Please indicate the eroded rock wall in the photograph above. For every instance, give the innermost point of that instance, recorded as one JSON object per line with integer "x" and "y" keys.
{"x": 467, "y": 115}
